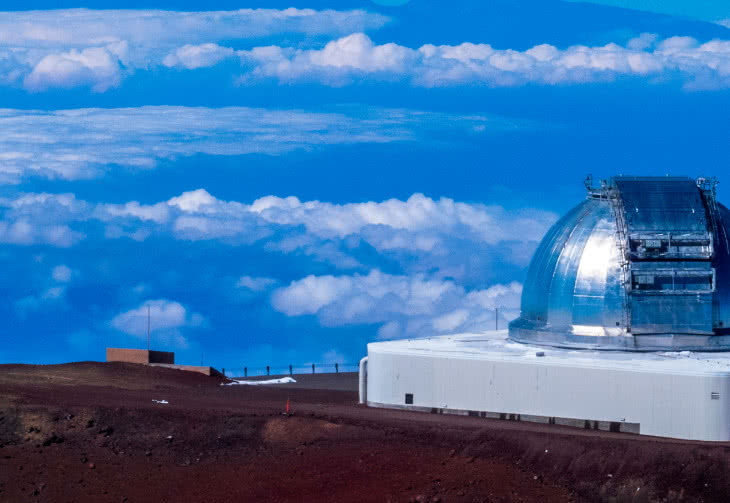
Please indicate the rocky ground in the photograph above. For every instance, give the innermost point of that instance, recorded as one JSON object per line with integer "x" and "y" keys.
{"x": 94, "y": 432}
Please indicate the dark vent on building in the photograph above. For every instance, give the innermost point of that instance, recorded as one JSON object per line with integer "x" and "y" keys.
{"x": 409, "y": 398}
{"x": 715, "y": 395}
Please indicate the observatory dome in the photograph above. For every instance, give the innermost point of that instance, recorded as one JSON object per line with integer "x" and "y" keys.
{"x": 642, "y": 264}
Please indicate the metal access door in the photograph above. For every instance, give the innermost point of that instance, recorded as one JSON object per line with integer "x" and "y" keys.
{"x": 670, "y": 248}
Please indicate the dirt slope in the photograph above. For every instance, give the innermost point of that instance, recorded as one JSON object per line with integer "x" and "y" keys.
{"x": 92, "y": 432}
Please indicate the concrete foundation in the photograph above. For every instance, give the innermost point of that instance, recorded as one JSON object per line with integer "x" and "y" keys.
{"x": 671, "y": 394}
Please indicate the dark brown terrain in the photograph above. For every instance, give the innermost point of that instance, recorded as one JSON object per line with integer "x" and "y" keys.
{"x": 92, "y": 432}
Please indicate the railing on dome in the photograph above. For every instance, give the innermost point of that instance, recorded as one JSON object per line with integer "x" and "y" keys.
{"x": 622, "y": 240}
{"x": 708, "y": 186}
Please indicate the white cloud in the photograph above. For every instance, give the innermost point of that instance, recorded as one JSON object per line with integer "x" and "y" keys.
{"x": 327, "y": 251}
{"x": 356, "y": 57}
{"x": 309, "y": 295}
{"x": 32, "y": 303}
{"x": 390, "y": 330}
{"x": 337, "y": 63}
{"x": 451, "y": 320}
{"x": 406, "y": 306}
{"x": 23, "y": 232}
{"x": 98, "y": 48}
{"x": 51, "y": 292}
{"x": 417, "y": 220}
{"x": 195, "y": 201}
{"x": 725, "y": 23}
{"x": 61, "y": 273}
{"x": 191, "y": 57}
{"x": 167, "y": 319}
{"x": 333, "y": 356}
{"x": 55, "y": 292}
{"x": 255, "y": 284}
{"x": 42, "y": 219}
{"x": 158, "y": 213}
{"x": 98, "y": 68}
{"x": 82, "y": 143}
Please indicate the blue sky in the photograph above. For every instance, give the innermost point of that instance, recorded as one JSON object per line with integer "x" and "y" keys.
{"x": 709, "y": 10}
{"x": 283, "y": 182}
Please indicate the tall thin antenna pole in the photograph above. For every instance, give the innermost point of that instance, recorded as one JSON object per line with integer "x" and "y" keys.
{"x": 148, "y": 328}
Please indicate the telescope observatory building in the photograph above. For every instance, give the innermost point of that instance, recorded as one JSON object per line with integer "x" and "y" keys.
{"x": 624, "y": 324}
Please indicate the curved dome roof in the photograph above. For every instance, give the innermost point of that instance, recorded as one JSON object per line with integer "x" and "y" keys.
{"x": 642, "y": 264}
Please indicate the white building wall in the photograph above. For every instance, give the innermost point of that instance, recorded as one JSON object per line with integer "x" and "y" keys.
{"x": 664, "y": 402}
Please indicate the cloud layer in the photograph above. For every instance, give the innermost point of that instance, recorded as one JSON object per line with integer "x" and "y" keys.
{"x": 97, "y": 48}
{"x": 82, "y": 143}
{"x": 436, "y": 250}
{"x": 445, "y": 238}
{"x": 197, "y": 215}
{"x": 155, "y": 28}
{"x": 355, "y": 57}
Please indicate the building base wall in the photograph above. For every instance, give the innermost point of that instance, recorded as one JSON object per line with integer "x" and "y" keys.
{"x": 651, "y": 397}
{"x": 587, "y": 424}
{"x": 209, "y": 371}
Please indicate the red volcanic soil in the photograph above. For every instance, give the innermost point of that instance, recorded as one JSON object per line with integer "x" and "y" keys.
{"x": 92, "y": 432}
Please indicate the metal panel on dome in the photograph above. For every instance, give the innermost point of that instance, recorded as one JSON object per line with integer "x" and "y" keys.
{"x": 666, "y": 218}
{"x": 561, "y": 307}
{"x": 543, "y": 262}
{"x": 598, "y": 294}
{"x": 666, "y": 227}
{"x": 721, "y": 263}
{"x": 662, "y": 204}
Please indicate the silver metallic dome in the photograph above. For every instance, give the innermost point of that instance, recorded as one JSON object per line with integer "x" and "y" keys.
{"x": 642, "y": 264}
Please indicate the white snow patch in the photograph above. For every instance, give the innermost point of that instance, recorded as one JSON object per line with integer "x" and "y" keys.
{"x": 283, "y": 380}
{"x": 160, "y": 401}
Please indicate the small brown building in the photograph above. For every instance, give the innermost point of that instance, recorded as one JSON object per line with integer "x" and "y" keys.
{"x": 139, "y": 356}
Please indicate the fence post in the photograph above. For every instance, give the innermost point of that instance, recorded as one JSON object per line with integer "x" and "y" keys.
{"x": 290, "y": 371}
{"x": 313, "y": 368}
{"x": 267, "y": 370}
{"x": 245, "y": 371}
{"x": 337, "y": 368}
{"x": 224, "y": 371}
